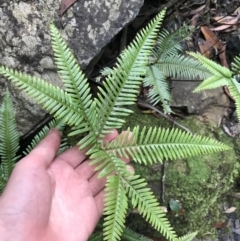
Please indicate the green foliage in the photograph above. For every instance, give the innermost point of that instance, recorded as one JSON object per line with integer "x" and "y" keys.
{"x": 166, "y": 62}
{"x": 221, "y": 76}
{"x": 130, "y": 235}
{"x": 92, "y": 119}
{"x": 9, "y": 140}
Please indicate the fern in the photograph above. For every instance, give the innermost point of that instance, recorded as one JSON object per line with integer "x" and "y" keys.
{"x": 158, "y": 144}
{"x": 188, "y": 237}
{"x": 130, "y": 235}
{"x": 92, "y": 119}
{"x": 167, "y": 62}
{"x": 234, "y": 89}
{"x": 43, "y": 132}
{"x": 220, "y": 75}
{"x": 236, "y": 65}
{"x": 9, "y": 140}
{"x": 143, "y": 198}
{"x": 115, "y": 208}
{"x": 124, "y": 80}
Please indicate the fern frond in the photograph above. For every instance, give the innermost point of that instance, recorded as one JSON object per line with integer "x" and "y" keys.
{"x": 76, "y": 85}
{"x": 98, "y": 236}
{"x": 129, "y": 235}
{"x": 159, "y": 87}
{"x": 183, "y": 67}
{"x": 107, "y": 163}
{"x": 211, "y": 83}
{"x": 53, "y": 99}
{"x": 42, "y": 134}
{"x": 234, "y": 89}
{"x": 168, "y": 44}
{"x": 104, "y": 72}
{"x": 115, "y": 209}
{"x": 122, "y": 84}
{"x": 157, "y": 144}
{"x": 3, "y": 181}
{"x": 213, "y": 67}
{"x": 143, "y": 198}
{"x": 236, "y": 65}
{"x": 9, "y": 136}
{"x": 188, "y": 237}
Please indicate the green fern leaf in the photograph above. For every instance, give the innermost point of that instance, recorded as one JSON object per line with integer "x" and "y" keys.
{"x": 211, "y": 83}
{"x": 42, "y": 134}
{"x": 98, "y": 236}
{"x": 122, "y": 84}
{"x": 213, "y": 67}
{"x": 52, "y": 98}
{"x": 183, "y": 67}
{"x": 115, "y": 209}
{"x": 188, "y": 237}
{"x": 148, "y": 206}
{"x": 76, "y": 85}
{"x": 159, "y": 87}
{"x": 9, "y": 137}
{"x": 168, "y": 44}
{"x": 130, "y": 235}
{"x": 234, "y": 89}
{"x": 158, "y": 144}
{"x": 236, "y": 65}
{"x": 107, "y": 163}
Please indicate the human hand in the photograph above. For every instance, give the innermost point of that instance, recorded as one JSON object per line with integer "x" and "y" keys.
{"x": 51, "y": 197}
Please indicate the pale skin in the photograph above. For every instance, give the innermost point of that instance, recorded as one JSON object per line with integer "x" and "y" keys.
{"x": 49, "y": 197}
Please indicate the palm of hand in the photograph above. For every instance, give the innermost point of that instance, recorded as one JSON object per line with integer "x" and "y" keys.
{"x": 53, "y": 198}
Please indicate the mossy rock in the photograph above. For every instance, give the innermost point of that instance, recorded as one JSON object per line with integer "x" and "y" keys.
{"x": 202, "y": 184}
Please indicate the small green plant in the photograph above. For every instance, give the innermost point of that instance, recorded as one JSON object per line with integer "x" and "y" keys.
{"x": 93, "y": 118}
{"x": 9, "y": 145}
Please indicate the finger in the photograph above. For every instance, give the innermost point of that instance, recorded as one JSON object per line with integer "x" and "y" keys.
{"x": 75, "y": 157}
{"x": 99, "y": 200}
{"x": 44, "y": 153}
{"x": 72, "y": 156}
{"x": 85, "y": 170}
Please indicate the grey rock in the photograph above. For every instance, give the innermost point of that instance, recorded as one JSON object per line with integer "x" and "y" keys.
{"x": 25, "y": 42}
{"x": 210, "y": 104}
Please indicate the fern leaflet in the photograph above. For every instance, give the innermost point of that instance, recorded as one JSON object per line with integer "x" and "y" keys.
{"x": 148, "y": 206}
{"x": 157, "y": 144}
{"x": 213, "y": 67}
{"x": 188, "y": 237}
{"x": 76, "y": 85}
{"x": 9, "y": 135}
{"x": 124, "y": 79}
{"x": 159, "y": 88}
{"x": 234, "y": 89}
{"x": 52, "y": 98}
{"x": 116, "y": 208}
{"x": 130, "y": 235}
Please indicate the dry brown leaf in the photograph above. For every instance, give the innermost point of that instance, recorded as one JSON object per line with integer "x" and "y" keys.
{"x": 230, "y": 210}
{"x": 211, "y": 37}
{"x": 237, "y": 11}
{"x": 220, "y": 225}
{"x": 222, "y": 56}
{"x": 194, "y": 19}
{"x": 221, "y": 28}
{"x": 205, "y": 48}
{"x": 65, "y": 4}
{"x": 226, "y": 20}
{"x": 193, "y": 12}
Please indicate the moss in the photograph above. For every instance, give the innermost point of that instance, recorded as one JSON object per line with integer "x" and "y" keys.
{"x": 202, "y": 184}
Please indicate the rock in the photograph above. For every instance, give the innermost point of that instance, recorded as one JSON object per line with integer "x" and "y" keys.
{"x": 210, "y": 104}
{"x": 25, "y": 42}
